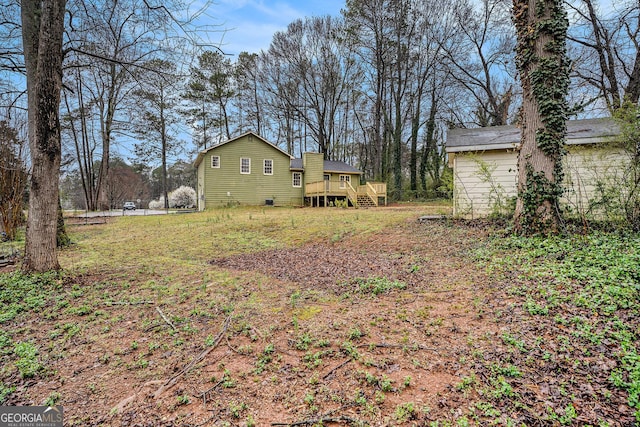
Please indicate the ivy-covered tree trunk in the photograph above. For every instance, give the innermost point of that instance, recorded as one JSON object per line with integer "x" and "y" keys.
{"x": 543, "y": 66}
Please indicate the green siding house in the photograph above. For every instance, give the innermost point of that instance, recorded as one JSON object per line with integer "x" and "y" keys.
{"x": 249, "y": 170}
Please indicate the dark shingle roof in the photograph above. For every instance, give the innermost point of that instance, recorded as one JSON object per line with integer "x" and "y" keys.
{"x": 296, "y": 164}
{"x": 329, "y": 166}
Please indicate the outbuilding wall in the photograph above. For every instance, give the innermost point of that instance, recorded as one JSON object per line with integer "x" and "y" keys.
{"x": 485, "y": 182}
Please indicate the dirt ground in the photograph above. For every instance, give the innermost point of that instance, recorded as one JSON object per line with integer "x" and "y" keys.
{"x": 374, "y": 329}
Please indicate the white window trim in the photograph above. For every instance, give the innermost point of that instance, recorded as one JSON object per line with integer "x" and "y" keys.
{"x": 264, "y": 166}
{"x": 249, "y": 171}
{"x": 293, "y": 179}
{"x": 343, "y": 179}
{"x": 215, "y": 157}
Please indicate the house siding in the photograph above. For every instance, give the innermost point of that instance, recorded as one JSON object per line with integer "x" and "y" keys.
{"x": 226, "y": 185}
{"x": 483, "y": 180}
{"x": 313, "y": 164}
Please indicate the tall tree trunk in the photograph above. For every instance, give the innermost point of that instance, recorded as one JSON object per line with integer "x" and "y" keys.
{"x": 413, "y": 161}
{"x": 42, "y": 29}
{"x": 165, "y": 186}
{"x": 430, "y": 149}
{"x": 541, "y": 27}
{"x": 62, "y": 238}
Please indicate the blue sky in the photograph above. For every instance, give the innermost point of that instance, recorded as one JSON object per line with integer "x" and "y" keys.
{"x": 251, "y": 24}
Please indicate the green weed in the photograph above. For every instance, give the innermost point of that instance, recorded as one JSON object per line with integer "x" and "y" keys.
{"x": 53, "y": 399}
{"x": 303, "y": 342}
{"x": 237, "y": 409}
{"x": 265, "y": 358}
{"x": 405, "y": 412}
{"x": 25, "y": 293}
{"x": 28, "y": 364}
{"x": 378, "y": 285}
{"x": 5, "y": 391}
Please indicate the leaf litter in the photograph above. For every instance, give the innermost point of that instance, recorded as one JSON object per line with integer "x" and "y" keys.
{"x": 446, "y": 339}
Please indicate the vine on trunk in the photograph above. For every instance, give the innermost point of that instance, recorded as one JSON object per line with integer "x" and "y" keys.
{"x": 544, "y": 72}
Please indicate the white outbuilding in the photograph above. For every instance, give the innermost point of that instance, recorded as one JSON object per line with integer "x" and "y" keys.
{"x": 485, "y": 166}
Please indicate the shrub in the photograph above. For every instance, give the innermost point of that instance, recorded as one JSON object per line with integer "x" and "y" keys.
{"x": 182, "y": 197}
{"x": 157, "y": 204}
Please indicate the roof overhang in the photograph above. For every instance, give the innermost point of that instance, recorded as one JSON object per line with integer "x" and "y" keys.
{"x": 201, "y": 154}
{"x": 579, "y": 132}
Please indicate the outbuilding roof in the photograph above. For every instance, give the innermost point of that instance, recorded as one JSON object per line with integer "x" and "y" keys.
{"x": 579, "y": 132}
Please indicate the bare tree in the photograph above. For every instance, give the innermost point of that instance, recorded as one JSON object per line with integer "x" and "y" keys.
{"x": 543, "y": 65}
{"x": 368, "y": 23}
{"x": 480, "y": 59}
{"x": 111, "y": 40}
{"x": 607, "y": 50}
{"x": 249, "y": 98}
{"x": 434, "y": 29}
{"x": 11, "y": 55}
{"x": 281, "y": 99}
{"x": 13, "y": 179}
{"x": 312, "y": 67}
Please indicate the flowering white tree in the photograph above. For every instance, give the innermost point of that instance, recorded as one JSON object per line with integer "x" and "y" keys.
{"x": 182, "y": 197}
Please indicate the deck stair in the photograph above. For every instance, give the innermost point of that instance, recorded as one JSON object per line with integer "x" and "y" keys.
{"x": 364, "y": 201}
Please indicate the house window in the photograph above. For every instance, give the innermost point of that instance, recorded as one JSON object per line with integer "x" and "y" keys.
{"x": 245, "y": 165}
{"x": 215, "y": 162}
{"x": 344, "y": 179}
{"x": 297, "y": 179}
{"x": 268, "y": 167}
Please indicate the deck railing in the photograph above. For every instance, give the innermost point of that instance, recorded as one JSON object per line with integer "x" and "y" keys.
{"x": 374, "y": 190}
{"x": 352, "y": 194}
{"x": 315, "y": 188}
{"x": 329, "y": 188}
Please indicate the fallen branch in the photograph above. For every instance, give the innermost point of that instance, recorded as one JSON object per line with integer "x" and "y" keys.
{"x": 331, "y": 372}
{"x": 400, "y": 346}
{"x": 204, "y": 394}
{"x": 127, "y": 303}
{"x": 165, "y": 318}
{"x": 172, "y": 381}
{"x": 320, "y": 421}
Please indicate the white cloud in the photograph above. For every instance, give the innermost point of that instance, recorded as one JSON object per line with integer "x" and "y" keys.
{"x": 250, "y": 24}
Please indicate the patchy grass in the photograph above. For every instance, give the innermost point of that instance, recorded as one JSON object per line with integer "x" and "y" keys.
{"x": 182, "y": 241}
{"x": 572, "y": 334}
{"x": 254, "y": 316}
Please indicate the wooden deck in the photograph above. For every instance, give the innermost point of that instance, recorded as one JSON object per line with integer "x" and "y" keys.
{"x": 367, "y": 195}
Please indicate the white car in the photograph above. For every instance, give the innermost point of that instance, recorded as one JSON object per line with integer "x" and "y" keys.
{"x": 129, "y": 206}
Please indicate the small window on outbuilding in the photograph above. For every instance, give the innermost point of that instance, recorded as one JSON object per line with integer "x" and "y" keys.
{"x": 215, "y": 162}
